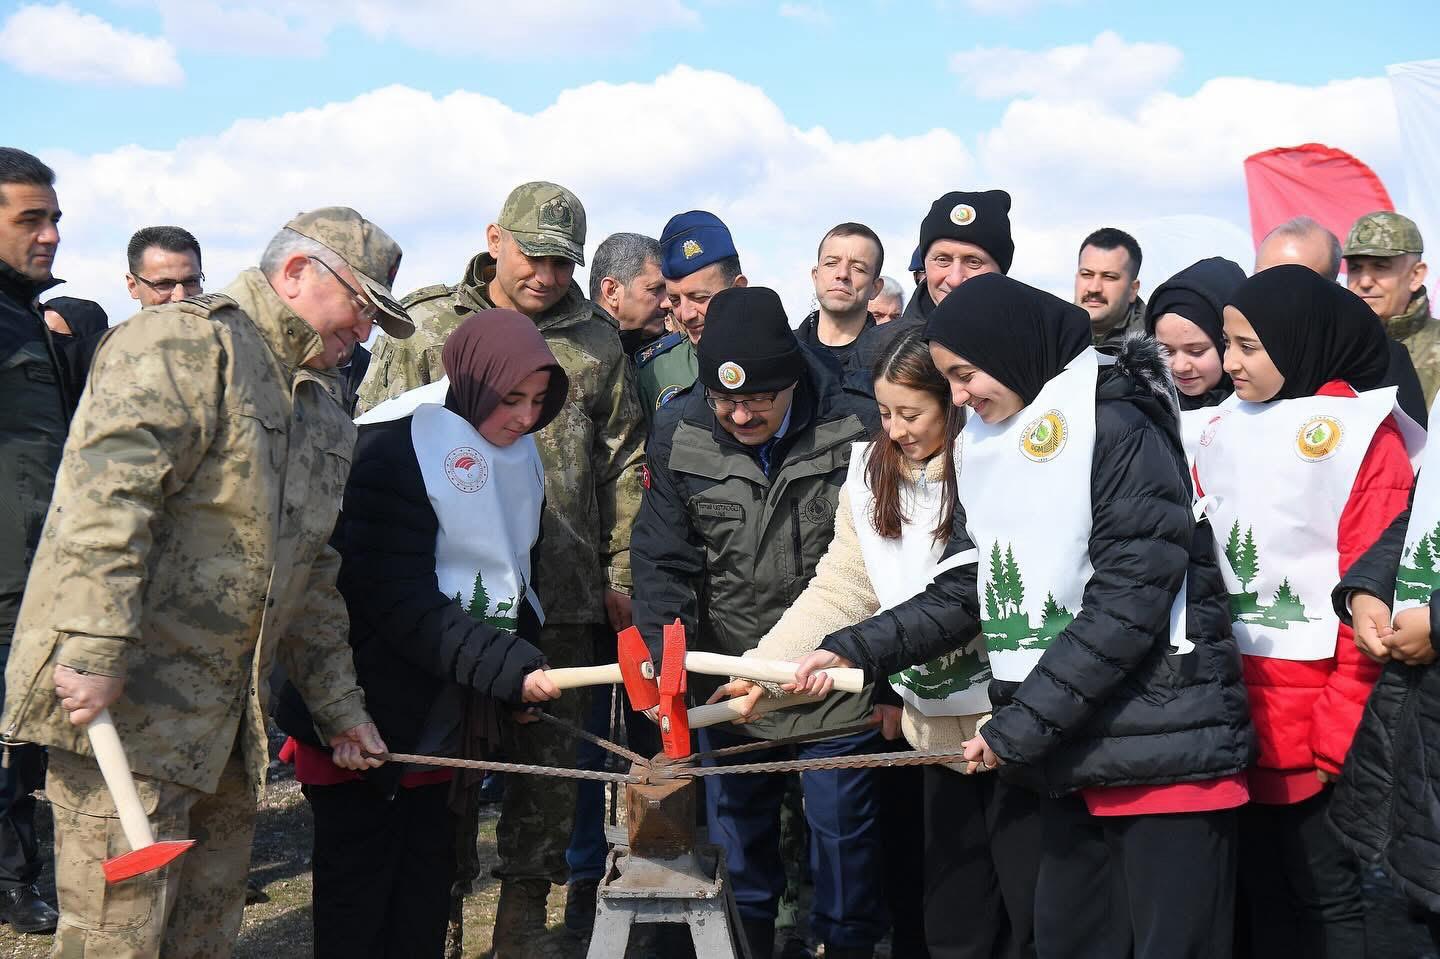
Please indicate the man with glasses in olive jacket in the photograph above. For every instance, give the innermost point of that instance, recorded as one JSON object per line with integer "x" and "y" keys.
{"x": 745, "y": 469}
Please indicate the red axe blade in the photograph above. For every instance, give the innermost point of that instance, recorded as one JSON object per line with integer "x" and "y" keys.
{"x": 674, "y": 723}
{"x": 157, "y": 855}
{"x": 637, "y": 670}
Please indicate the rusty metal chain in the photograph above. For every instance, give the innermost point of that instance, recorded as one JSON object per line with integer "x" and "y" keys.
{"x": 498, "y": 767}
{"x": 590, "y": 737}
{"x": 863, "y": 761}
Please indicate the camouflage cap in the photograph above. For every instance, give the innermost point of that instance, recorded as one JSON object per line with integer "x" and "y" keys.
{"x": 1384, "y": 234}
{"x": 546, "y": 220}
{"x": 372, "y": 256}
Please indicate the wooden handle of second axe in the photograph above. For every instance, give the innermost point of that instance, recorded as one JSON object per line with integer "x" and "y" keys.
{"x": 728, "y": 710}
{"x": 116, "y": 770}
{"x": 847, "y": 680}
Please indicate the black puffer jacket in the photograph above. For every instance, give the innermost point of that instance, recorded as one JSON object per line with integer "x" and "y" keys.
{"x": 410, "y": 641}
{"x": 1107, "y": 705}
{"x": 1387, "y": 804}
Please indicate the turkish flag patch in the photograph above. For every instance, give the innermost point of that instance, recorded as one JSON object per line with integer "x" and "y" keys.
{"x": 645, "y": 476}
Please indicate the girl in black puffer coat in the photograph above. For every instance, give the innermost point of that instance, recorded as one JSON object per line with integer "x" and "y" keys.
{"x": 1387, "y": 804}
{"x": 1137, "y": 739}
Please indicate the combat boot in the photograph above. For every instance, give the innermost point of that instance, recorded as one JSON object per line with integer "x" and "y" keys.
{"x": 520, "y": 922}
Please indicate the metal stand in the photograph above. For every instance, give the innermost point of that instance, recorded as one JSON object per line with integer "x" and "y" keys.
{"x": 689, "y": 889}
{"x": 661, "y": 875}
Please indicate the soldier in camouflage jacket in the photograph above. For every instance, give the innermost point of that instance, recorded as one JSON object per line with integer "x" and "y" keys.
{"x": 184, "y": 550}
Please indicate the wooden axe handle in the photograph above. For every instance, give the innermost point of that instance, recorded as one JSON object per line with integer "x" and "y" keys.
{"x": 573, "y": 677}
{"x": 116, "y": 770}
{"x": 728, "y": 710}
{"x": 847, "y": 679}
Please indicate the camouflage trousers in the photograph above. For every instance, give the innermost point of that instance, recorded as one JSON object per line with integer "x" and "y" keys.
{"x": 539, "y": 811}
{"x": 192, "y": 908}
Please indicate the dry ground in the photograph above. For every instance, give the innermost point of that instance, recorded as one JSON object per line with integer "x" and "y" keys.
{"x": 280, "y": 927}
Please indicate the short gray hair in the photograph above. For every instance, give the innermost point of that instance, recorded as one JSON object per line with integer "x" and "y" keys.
{"x": 1301, "y": 227}
{"x": 288, "y": 243}
{"x": 622, "y": 257}
{"x": 889, "y": 286}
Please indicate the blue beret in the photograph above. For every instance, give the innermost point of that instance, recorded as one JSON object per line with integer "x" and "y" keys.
{"x": 692, "y": 241}
{"x": 917, "y": 261}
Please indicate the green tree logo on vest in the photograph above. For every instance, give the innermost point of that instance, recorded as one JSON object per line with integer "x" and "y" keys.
{"x": 944, "y": 675}
{"x": 1244, "y": 557}
{"x": 1418, "y": 575}
{"x": 1006, "y": 625}
{"x": 507, "y": 616}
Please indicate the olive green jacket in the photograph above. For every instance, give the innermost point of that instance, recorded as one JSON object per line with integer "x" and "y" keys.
{"x": 186, "y": 543}
{"x": 1420, "y": 333}
{"x": 727, "y": 548}
{"x": 592, "y": 452}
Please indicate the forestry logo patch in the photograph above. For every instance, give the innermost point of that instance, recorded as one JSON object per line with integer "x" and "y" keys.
{"x": 731, "y": 375}
{"x": 466, "y": 469}
{"x": 1044, "y": 438}
{"x": 962, "y": 214}
{"x": 1318, "y": 438}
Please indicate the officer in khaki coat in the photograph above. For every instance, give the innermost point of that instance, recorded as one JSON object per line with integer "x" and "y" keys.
{"x": 1383, "y": 266}
{"x": 592, "y": 454}
{"x": 185, "y": 548}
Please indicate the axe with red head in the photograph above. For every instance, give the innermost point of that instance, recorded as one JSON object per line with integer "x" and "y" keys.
{"x": 674, "y": 721}
{"x": 145, "y": 855}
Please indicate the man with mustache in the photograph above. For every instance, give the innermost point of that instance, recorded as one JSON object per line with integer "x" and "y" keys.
{"x": 1107, "y": 286}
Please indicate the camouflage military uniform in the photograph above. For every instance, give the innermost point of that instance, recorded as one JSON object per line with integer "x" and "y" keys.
{"x": 1388, "y": 234}
{"x": 185, "y": 548}
{"x": 1420, "y": 334}
{"x": 663, "y": 369}
{"x": 591, "y": 453}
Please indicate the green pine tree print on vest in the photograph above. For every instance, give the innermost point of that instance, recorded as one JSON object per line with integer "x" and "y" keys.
{"x": 944, "y": 675}
{"x": 1006, "y": 625}
{"x": 1245, "y": 606}
{"x": 506, "y": 615}
{"x": 1418, "y": 575}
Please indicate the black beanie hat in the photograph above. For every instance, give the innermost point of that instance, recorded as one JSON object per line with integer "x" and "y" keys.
{"x": 980, "y": 218}
{"x": 748, "y": 346}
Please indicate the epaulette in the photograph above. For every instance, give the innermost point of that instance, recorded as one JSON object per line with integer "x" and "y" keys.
{"x": 660, "y": 347}
{"x": 204, "y": 304}
{"x": 432, "y": 292}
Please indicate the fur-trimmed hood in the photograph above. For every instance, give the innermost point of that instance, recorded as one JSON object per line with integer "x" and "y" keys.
{"x": 1140, "y": 373}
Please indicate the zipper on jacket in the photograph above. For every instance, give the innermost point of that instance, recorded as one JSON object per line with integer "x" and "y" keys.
{"x": 1412, "y": 680}
{"x": 795, "y": 533}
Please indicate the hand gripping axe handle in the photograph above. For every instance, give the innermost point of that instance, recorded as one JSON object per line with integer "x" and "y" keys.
{"x": 145, "y": 855}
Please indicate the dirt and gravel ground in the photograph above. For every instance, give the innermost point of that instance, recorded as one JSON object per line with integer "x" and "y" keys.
{"x": 280, "y": 926}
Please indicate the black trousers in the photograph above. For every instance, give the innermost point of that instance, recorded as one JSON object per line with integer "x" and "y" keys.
{"x": 382, "y": 871}
{"x": 1300, "y": 887}
{"x": 982, "y": 854}
{"x": 1151, "y": 887}
{"x": 24, "y": 773}
{"x": 901, "y": 790}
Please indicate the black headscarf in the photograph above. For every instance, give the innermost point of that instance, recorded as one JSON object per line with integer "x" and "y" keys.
{"x": 1022, "y": 336}
{"x": 1199, "y": 294}
{"x": 1314, "y": 330}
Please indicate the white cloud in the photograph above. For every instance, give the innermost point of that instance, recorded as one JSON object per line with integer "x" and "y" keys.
{"x": 504, "y": 29}
{"x": 1169, "y": 170}
{"x": 814, "y": 14}
{"x": 1108, "y": 69}
{"x": 61, "y": 43}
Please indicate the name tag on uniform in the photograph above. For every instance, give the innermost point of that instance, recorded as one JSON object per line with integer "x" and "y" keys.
{"x": 720, "y": 510}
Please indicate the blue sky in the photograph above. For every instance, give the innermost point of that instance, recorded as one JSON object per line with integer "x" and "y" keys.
{"x": 859, "y": 69}
{"x": 783, "y": 117}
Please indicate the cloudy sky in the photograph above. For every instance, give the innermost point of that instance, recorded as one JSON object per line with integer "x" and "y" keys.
{"x": 228, "y": 116}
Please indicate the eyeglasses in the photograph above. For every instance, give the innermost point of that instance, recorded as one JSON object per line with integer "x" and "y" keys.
{"x": 166, "y": 287}
{"x": 368, "y": 310}
{"x": 724, "y": 404}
